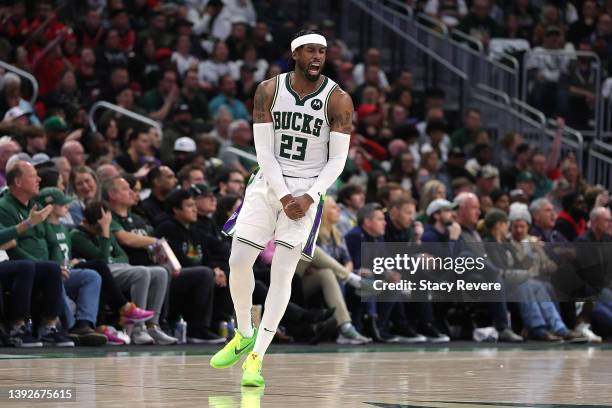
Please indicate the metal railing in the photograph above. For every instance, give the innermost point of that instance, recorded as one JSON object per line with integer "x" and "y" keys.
{"x": 243, "y": 154}
{"x": 543, "y": 98}
{"x": 116, "y": 108}
{"x": 503, "y": 114}
{"x": 26, "y": 75}
{"x": 600, "y": 164}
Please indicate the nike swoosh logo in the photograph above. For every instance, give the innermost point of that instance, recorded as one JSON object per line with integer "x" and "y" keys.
{"x": 269, "y": 331}
{"x": 238, "y": 351}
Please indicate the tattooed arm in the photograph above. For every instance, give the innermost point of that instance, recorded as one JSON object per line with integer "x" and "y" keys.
{"x": 263, "y": 134}
{"x": 340, "y": 111}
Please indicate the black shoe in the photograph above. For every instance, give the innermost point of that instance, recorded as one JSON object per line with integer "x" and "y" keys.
{"x": 371, "y": 329}
{"x": 387, "y": 337}
{"x": 51, "y": 337}
{"x": 22, "y": 337}
{"x": 204, "y": 336}
{"x": 432, "y": 334}
{"x": 83, "y": 334}
{"x": 324, "y": 330}
{"x": 318, "y": 315}
{"x": 408, "y": 335}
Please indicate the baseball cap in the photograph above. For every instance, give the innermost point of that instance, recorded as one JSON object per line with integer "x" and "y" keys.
{"x": 40, "y": 158}
{"x": 55, "y": 124}
{"x": 439, "y": 204}
{"x": 488, "y": 171}
{"x": 14, "y": 113}
{"x": 200, "y": 190}
{"x": 184, "y": 144}
{"x": 524, "y": 176}
{"x": 53, "y": 195}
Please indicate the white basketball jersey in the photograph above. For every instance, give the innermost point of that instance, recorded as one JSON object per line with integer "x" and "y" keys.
{"x": 301, "y": 127}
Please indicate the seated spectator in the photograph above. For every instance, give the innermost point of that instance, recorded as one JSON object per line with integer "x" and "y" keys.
{"x": 464, "y": 137}
{"x": 192, "y": 291}
{"x": 137, "y": 155}
{"x": 370, "y": 228}
{"x": 572, "y": 221}
{"x": 478, "y": 23}
{"x": 212, "y": 71}
{"x": 73, "y": 151}
{"x": 83, "y": 183}
{"x": 162, "y": 181}
{"x": 182, "y": 57}
{"x": 19, "y": 277}
{"x": 540, "y": 315}
{"x": 191, "y": 175}
{"x": 81, "y": 283}
{"x": 227, "y": 98}
{"x": 160, "y": 101}
{"x": 585, "y": 26}
{"x": 15, "y": 206}
{"x": 350, "y": 200}
{"x": 8, "y": 147}
{"x": 372, "y": 58}
{"x": 241, "y": 138}
{"x": 449, "y": 13}
{"x": 93, "y": 240}
{"x": 468, "y": 212}
{"x": 230, "y": 182}
{"x": 195, "y": 98}
{"x": 331, "y": 264}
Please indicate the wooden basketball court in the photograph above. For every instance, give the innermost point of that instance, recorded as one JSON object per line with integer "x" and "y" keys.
{"x": 465, "y": 375}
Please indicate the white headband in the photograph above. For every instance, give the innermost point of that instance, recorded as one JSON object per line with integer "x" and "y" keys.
{"x": 308, "y": 39}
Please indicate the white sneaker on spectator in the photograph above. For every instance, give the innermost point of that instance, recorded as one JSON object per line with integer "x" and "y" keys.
{"x": 141, "y": 336}
{"x": 351, "y": 336}
{"x": 584, "y": 329}
{"x": 160, "y": 337}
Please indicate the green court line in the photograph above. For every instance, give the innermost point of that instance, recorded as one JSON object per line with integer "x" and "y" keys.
{"x": 199, "y": 350}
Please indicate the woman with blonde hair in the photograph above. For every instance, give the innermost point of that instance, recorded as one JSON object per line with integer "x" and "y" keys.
{"x": 332, "y": 263}
{"x": 431, "y": 190}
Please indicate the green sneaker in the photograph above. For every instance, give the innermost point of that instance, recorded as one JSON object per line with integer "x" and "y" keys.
{"x": 231, "y": 353}
{"x": 251, "y": 371}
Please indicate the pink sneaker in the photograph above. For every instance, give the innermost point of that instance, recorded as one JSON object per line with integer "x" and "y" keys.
{"x": 115, "y": 338}
{"x": 134, "y": 314}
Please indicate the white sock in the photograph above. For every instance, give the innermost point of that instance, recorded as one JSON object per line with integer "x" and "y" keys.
{"x": 344, "y": 327}
{"x": 242, "y": 284}
{"x": 354, "y": 280}
{"x": 284, "y": 263}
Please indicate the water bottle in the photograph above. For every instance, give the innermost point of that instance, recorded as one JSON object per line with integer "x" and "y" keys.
{"x": 223, "y": 332}
{"x": 180, "y": 330}
{"x": 231, "y": 327}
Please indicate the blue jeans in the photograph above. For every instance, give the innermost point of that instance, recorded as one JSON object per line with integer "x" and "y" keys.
{"x": 538, "y": 314}
{"x": 83, "y": 286}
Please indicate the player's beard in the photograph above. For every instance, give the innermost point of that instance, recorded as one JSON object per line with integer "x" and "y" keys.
{"x": 304, "y": 69}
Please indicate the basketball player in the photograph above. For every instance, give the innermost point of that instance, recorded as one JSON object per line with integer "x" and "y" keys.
{"x": 302, "y": 125}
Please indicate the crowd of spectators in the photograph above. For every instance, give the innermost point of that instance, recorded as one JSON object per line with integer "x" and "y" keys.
{"x": 84, "y": 210}
{"x": 559, "y": 82}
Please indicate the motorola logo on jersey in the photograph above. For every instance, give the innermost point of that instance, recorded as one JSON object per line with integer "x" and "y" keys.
{"x": 316, "y": 104}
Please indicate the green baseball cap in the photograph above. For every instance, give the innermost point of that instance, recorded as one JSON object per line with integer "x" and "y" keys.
{"x": 55, "y": 124}
{"x": 524, "y": 176}
{"x": 53, "y": 195}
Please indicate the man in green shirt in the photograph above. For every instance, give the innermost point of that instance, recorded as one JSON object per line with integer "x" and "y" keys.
{"x": 464, "y": 137}
{"x": 83, "y": 284}
{"x": 93, "y": 240}
{"x": 15, "y": 207}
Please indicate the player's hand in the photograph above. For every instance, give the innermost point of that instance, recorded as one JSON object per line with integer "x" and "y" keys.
{"x": 291, "y": 207}
{"x": 304, "y": 201}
